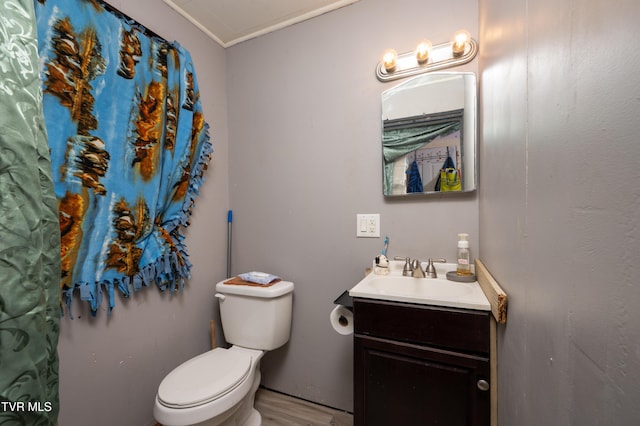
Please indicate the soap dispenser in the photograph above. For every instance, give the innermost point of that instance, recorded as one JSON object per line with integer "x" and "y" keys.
{"x": 464, "y": 261}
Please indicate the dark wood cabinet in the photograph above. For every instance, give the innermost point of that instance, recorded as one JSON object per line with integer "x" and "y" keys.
{"x": 420, "y": 365}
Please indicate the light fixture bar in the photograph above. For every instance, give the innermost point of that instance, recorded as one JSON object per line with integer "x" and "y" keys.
{"x": 440, "y": 57}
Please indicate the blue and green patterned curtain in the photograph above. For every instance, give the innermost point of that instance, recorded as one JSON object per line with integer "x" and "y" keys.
{"x": 129, "y": 145}
{"x": 29, "y": 236}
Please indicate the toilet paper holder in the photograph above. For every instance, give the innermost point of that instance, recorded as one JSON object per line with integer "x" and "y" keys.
{"x": 345, "y": 300}
{"x": 341, "y": 317}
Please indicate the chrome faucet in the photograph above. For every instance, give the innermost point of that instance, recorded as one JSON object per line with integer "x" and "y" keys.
{"x": 414, "y": 268}
{"x": 411, "y": 269}
{"x": 417, "y": 269}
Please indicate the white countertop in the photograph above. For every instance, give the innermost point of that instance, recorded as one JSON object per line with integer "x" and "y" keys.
{"x": 427, "y": 291}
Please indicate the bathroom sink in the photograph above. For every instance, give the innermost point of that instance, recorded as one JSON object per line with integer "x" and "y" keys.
{"x": 427, "y": 291}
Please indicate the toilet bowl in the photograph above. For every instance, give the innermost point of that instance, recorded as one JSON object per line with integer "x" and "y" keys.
{"x": 211, "y": 389}
{"x": 218, "y": 387}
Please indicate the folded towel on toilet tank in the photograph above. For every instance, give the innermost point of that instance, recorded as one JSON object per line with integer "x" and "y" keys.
{"x": 259, "y": 277}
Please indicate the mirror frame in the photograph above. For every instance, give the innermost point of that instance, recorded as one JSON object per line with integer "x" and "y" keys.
{"x": 468, "y": 136}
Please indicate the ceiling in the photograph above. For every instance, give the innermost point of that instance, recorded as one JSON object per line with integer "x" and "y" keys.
{"x": 233, "y": 21}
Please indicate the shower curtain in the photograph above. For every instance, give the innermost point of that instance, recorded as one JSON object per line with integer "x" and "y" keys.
{"x": 29, "y": 232}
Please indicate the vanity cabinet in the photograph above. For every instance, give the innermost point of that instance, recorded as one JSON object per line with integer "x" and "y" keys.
{"x": 420, "y": 365}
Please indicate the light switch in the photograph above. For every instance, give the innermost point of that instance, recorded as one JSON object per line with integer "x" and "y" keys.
{"x": 368, "y": 225}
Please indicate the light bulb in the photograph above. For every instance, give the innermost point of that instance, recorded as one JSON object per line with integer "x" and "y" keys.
{"x": 460, "y": 40}
{"x": 422, "y": 51}
{"x": 389, "y": 59}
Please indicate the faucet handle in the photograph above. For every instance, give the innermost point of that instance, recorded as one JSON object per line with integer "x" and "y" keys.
{"x": 430, "y": 270}
{"x": 406, "y": 271}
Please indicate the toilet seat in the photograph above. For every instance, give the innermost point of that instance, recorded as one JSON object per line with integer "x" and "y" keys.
{"x": 204, "y": 378}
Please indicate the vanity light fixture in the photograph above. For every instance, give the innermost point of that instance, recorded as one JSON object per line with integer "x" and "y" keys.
{"x": 427, "y": 57}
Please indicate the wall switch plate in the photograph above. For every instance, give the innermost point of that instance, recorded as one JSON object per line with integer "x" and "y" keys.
{"x": 368, "y": 225}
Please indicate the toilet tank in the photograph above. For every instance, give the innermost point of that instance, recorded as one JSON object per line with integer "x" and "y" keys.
{"x": 256, "y": 317}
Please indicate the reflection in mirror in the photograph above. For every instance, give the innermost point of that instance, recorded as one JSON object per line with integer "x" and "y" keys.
{"x": 429, "y": 135}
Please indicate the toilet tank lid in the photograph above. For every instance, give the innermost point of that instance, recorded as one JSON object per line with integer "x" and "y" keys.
{"x": 276, "y": 290}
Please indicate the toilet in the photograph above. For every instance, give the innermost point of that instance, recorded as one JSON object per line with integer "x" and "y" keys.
{"x": 218, "y": 387}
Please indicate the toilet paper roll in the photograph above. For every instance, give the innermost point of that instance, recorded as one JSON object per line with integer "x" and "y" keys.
{"x": 342, "y": 320}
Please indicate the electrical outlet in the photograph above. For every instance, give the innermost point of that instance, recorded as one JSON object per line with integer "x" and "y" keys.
{"x": 368, "y": 225}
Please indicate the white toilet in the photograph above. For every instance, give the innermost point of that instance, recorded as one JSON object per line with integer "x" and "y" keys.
{"x": 219, "y": 386}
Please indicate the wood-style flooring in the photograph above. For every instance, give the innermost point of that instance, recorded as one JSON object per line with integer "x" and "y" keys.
{"x": 278, "y": 409}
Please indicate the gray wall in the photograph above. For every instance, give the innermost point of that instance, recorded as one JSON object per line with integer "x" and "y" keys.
{"x": 559, "y": 206}
{"x": 305, "y": 158}
{"x": 110, "y": 367}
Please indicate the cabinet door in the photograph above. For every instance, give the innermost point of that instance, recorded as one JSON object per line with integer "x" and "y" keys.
{"x": 405, "y": 384}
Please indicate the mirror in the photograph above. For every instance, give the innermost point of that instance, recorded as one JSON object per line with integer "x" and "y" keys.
{"x": 429, "y": 135}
